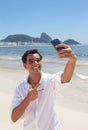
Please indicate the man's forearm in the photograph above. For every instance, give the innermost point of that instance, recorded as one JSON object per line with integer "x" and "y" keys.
{"x": 19, "y": 110}
{"x": 68, "y": 71}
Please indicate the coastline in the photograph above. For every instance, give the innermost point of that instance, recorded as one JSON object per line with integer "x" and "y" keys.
{"x": 73, "y": 114}
{"x": 13, "y": 44}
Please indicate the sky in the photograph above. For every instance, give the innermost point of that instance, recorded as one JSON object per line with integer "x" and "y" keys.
{"x": 63, "y": 19}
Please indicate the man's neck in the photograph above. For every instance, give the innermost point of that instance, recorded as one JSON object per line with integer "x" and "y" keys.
{"x": 34, "y": 79}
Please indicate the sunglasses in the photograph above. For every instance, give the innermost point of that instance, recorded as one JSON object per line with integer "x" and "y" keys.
{"x": 31, "y": 61}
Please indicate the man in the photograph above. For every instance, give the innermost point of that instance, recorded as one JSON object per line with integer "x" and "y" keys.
{"x": 34, "y": 98}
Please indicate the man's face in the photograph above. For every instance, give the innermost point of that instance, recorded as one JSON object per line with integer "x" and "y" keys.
{"x": 33, "y": 63}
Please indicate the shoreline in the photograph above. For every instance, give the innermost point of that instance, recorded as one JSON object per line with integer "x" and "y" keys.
{"x": 14, "y": 44}
{"x": 72, "y": 113}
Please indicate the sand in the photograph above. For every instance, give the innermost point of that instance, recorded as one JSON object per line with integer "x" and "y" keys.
{"x": 72, "y": 115}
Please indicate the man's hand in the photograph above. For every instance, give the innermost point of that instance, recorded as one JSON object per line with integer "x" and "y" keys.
{"x": 33, "y": 92}
{"x": 67, "y": 52}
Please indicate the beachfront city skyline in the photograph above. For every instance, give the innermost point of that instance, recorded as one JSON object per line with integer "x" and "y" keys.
{"x": 58, "y": 18}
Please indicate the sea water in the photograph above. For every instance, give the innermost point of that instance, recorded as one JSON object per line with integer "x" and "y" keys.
{"x": 10, "y": 57}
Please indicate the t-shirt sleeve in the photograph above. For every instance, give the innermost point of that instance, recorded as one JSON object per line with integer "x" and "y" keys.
{"x": 17, "y": 99}
{"x": 56, "y": 80}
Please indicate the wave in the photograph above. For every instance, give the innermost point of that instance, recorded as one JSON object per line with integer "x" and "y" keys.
{"x": 63, "y": 62}
{"x": 81, "y": 76}
{"x": 45, "y": 60}
{"x": 83, "y": 63}
{"x": 9, "y": 58}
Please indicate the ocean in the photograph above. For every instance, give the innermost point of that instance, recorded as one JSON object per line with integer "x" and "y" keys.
{"x": 10, "y": 57}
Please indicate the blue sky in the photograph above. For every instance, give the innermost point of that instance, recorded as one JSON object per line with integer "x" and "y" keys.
{"x": 63, "y": 19}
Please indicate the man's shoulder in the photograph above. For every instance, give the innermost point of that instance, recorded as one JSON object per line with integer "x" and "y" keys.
{"x": 46, "y": 75}
{"x": 22, "y": 83}
{"x": 51, "y": 75}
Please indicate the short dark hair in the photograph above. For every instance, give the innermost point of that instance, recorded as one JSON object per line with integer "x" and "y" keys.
{"x": 24, "y": 56}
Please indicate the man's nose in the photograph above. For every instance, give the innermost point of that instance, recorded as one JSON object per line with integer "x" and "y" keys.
{"x": 35, "y": 62}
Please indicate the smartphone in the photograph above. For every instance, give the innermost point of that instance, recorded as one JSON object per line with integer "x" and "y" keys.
{"x": 56, "y": 42}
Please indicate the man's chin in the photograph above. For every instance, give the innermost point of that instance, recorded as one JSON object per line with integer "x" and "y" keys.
{"x": 36, "y": 70}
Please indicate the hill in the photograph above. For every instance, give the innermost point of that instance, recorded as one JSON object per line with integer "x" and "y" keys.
{"x": 71, "y": 42}
{"x": 44, "y": 38}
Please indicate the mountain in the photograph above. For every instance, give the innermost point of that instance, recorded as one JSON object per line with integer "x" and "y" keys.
{"x": 17, "y": 38}
{"x": 71, "y": 42}
{"x": 44, "y": 38}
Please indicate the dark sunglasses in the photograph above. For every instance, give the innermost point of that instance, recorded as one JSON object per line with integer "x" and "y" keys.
{"x": 31, "y": 61}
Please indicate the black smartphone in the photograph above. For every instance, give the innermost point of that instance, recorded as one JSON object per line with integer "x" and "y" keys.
{"x": 56, "y": 42}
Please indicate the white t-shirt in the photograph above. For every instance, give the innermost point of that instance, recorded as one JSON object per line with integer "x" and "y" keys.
{"x": 40, "y": 113}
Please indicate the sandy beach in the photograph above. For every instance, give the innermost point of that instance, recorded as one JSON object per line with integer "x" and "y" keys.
{"x": 72, "y": 114}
